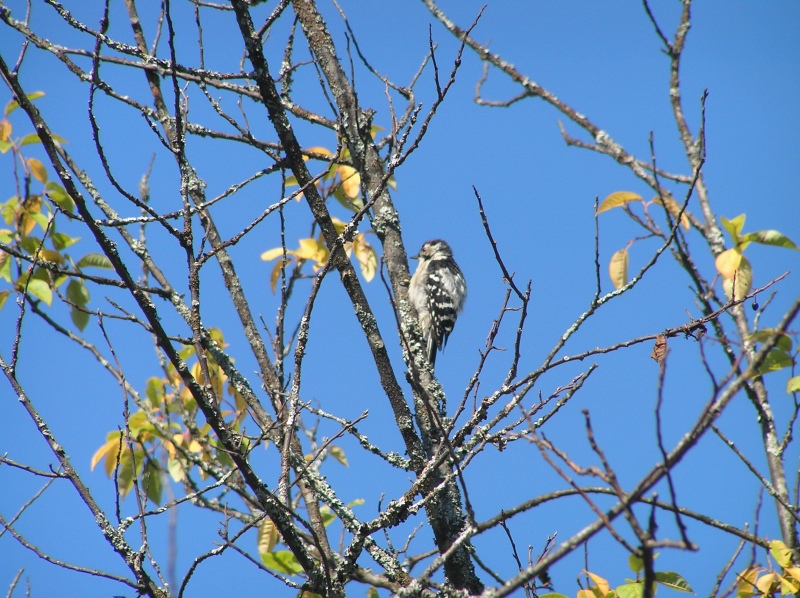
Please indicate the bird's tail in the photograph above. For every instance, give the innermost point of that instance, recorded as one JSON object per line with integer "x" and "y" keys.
{"x": 432, "y": 350}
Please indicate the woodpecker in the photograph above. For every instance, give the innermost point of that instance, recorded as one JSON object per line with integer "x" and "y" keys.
{"x": 438, "y": 292}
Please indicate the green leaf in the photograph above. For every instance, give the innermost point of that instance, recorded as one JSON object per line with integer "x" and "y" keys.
{"x": 62, "y": 240}
{"x": 769, "y": 237}
{"x": 327, "y": 515}
{"x": 3, "y": 297}
{"x": 282, "y": 561}
{"x": 30, "y": 244}
{"x": 673, "y": 581}
{"x": 630, "y": 590}
{"x": 154, "y": 389}
{"x": 793, "y": 385}
{"x": 175, "y": 470}
{"x": 784, "y": 341}
{"x": 94, "y": 260}
{"x": 77, "y": 292}
{"x": 5, "y": 267}
{"x": 635, "y": 563}
{"x": 13, "y": 104}
{"x": 617, "y": 199}
{"x": 30, "y": 139}
{"x": 734, "y": 227}
{"x": 79, "y": 317}
{"x": 151, "y": 482}
{"x": 776, "y": 360}
{"x": 5, "y": 146}
{"x": 59, "y": 196}
{"x": 41, "y": 290}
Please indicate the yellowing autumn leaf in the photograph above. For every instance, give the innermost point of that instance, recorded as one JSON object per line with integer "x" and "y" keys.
{"x": 351, "y": 180}
{"x": 26, "y": 222}
{"x": 764, "y": 583}
{"x": 601, "y": 583}
{"x": 618, "y": 268}
{"x": 5, "y": 130}
{"x": 338, "y": 454}
{"x": 312, "y": 249}
{"x": 739, "y": 284}
{"x": 367, "y": 259}
{"x": 276, "y": 273}
{"x": 318, "y": 150}
{"x": 674, "y": 208}
{"x": 272, "y": 254}
{"x": 267, "y": 535}
{"x": 617, "y": 199}
{"x": 780, "y": 552}
{"x": 728, "y": 261}
{"x": 37, "y": 170}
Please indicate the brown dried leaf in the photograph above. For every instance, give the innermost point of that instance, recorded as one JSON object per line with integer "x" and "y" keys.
{"x": 660, "y": 348}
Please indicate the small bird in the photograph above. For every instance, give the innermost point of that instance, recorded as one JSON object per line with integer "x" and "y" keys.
{"x": 437, "y": 291}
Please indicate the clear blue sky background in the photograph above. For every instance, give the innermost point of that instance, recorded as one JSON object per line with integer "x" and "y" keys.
{"x": 605, "y": 60}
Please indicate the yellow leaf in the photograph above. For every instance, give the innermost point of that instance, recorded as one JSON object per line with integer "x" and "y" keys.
{"x": 747, "y": 582}
{"x": 733, "y": 226}
{"x": 728, "y": 261}
{"x": 338, "y": 454}
{"x": 5, "y": 130}
{"x": 338, "y": 225}
{"x": 110, "y": 450}
{"x": 267, "y": 535}
{"x": 788, "y": 586}
{"x": 365, "y": 254}
{"x": 618, "y": 268}
{"x": 601, "y": 583}
{"x": 617, "y": 199}
{"x": 742, "y": 279}
{"x": 674, "y": 208}
{"x": 276, "y": 273}
{"x": 26, "y": 222}
{"x": 351, "y": 180}
{"x": 272, "y": 254}
{"x": 312, "y": 249}
{"x": 37, "y": 169}
{"x": 318, "y": 150}
{"x": 51, "y": 256}
{"x": 794, "y": 572}
{"x": 781, "y": 553}
{"x": 765, "y": 582}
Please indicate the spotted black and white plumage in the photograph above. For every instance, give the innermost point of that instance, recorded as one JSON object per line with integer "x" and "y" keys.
{"x": 437, "y": 291}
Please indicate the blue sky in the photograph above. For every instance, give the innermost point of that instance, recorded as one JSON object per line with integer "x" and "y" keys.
{"x": 605, "y": 60}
